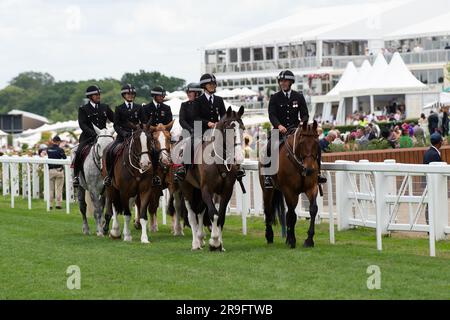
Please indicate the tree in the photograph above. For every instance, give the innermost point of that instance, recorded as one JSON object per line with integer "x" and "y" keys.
{"x": 145, "y": 81}
{"x": 32, "y": 80}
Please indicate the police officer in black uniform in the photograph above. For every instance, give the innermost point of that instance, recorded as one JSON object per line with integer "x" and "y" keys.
{"x": 209, "y": 109}
{"x": 128, "y": 112}
{"x": 154, "y": 113}
{"x": 286, "y": 109}
{"x": 92, "y": 113}
{"x": 186, "y": 118}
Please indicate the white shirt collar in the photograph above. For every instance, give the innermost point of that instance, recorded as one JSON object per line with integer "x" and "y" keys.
{"x": 289, "y": 93}
{"x": 92, "y": 104}
{"x": 207, "y": 95}
{"x": 126, "y": 103}
{"x": 436, "y": 150}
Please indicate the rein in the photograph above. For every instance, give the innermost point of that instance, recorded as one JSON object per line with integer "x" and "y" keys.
{"x": 136, "y": 155}
{"x": 293, "y": 157}
{"x": 96, "y": 157}
{"x": 225, "y": 161}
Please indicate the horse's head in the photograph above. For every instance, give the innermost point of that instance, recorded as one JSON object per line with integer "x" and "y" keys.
{"x": 307, "y": 149}
{"x": 103, "y": 139}
{"x": 233, "y": 129}
{"x": 161, "y": 139}
{"x": 140, "y": 147}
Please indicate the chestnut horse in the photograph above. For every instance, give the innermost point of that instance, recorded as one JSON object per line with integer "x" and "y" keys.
{"x": 210, "y": 184}
{"x": 133, "y": 173}
{"x": 297, "y": 173}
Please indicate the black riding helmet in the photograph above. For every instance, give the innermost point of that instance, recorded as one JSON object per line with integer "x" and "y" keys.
{"x": 158, "y": 91}
{"x": 91, "y": 90}
{"x": 286, "y": 75}
{"x": 195, "y": 87}
{"x": 128, "y": 88}
{"x": 207, "y": 78}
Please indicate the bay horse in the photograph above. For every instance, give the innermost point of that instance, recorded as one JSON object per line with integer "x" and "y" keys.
{"x": 90, "y": 179}
{"x": 133, "y": 173}
{"x": 208, "y": 186}
{"x": 297, "y": 173}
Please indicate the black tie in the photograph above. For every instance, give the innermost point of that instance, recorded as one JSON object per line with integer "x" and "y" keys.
{"x": 287, "y": 95}
{"x": 96, "y": 106}
{"x": 129, "y": 106}
{"x": 211, "y": 100}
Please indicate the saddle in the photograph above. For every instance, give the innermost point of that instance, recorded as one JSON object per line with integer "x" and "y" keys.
{"x": 85, "y": 152}
{"x": 117, "y": 151}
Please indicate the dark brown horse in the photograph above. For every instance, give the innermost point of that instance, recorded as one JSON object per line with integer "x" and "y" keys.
{"x": 297, "y": 173}
{"x": 209, "y": 183}
{"x": 133, "y": 174}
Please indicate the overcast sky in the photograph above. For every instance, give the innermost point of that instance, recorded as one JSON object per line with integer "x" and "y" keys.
{"x": 85, "y": 39}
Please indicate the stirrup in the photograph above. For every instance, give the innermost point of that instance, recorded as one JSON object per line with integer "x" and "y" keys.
{"x": 240, "y": 173}
{"x": 321, "y": 179}
{"x": 76, "y": 182}
{"x": 107, "y": 181}
{"x": 268, "y": 183}
{"x": 156, "y": 181}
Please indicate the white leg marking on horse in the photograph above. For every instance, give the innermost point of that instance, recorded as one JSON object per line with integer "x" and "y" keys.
{"x": 115, "y": 230}
{"x": 126, "y": 229}
{"x": 144, "y": 236}
{"x": 215, "y": 234}
{"x": 200, "y": 232}
{"x": 196, "y": 245}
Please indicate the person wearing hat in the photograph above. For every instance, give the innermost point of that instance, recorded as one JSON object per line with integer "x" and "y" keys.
{"x": 154, "y": 113}
{"x": 186, "y": 118}
{"x": 56, "y": 172}
{"x": 124, "y": 114}
{"x": 209, "y": 108}
{"x": 92, "y": 113}
{"x": 287, "y": 108}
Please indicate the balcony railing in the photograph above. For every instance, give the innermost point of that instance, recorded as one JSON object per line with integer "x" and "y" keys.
{"x": 335, "y": 62}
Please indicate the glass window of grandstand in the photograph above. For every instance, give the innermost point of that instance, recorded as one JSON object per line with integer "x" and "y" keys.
{"x": 297, "y": 51}
{"x": 210, "y": 57}
{"x": 283, "y": 52}
{"x": 269, "y": 53}
{"x": 233, "y": 56}
{"x": 245, "y": 54}
{"x": 258, "y": 54}
{"x": 221, "y": 56}
{"x": 422, "y": 76}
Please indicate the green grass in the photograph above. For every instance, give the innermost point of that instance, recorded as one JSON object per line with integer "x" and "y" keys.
{"x": 37, "y": 247}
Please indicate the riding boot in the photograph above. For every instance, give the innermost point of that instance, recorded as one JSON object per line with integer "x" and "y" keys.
{"x": 320, "y": 178}
{"x": 268, "y": 182}
{"x": 75, "y": 180}
{"x": 240, "y": 172}
{"x": 109, "y": 169}
{"x": 180, "y": 173}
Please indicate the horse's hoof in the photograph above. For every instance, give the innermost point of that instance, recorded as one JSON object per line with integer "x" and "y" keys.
{"x": 114, "y": 237}
{"x": 220, "y": 248}
{"x": 145, "y": 241}
{"x": 308, "y": 244}
{"x": 127, "y": 239}
{"x": 196, "y": 249}
{"x": 100, "y": 234}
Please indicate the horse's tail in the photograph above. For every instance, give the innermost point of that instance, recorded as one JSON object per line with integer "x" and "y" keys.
{"x": 279, "y": 210}
{"x": 171, "y": 206}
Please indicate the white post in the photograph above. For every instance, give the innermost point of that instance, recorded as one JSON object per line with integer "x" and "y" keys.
{"x": 382, "y": 208}
{"x": 47, "y": 186}
{"x": 11, "y": 180}
{"x": 319, "y": 201}
{"x": 432, "y": 208}
{"x": 29, "y": 185}
{"x": 164, "y": 207}
{"x": 15, "y": 178}
{"x": 245, "y": 202}
{"x": 5, "y": 178}
{"x": 437, "y": 189}
{"x": 67, "y": 185}
{"x": 257, "y": 193}
{"x": 35, "y": 170}
{"x": 343, "y": 203}
{"x": 330, "y": 207}
{"x": 238, "y": 195}
{"x": 24, "y": 180}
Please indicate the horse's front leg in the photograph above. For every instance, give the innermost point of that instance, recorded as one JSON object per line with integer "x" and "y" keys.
{"x": 207, "y": 196}
{"x": 177, "y": 228}
{"x": 152, "y": 210}
{"x": 98, "y": 212}
{"x": 83, "y": 208}
{"x": 143, "y": 207}
{"x": 108, "y": 214}
{"x": 291, "y": 218}
{"x": 309, "y": 242}
{"x": 224, "y": 200}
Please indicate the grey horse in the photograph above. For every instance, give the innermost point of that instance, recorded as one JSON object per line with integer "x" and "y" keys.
{"x": 91, "y": 180}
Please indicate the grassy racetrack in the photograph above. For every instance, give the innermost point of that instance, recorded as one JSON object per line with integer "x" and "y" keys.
{"x": 37, "y": 247}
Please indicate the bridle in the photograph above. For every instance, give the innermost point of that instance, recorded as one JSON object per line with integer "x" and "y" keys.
{"x": 162, "y": 151}
{"x": 96, "y": 156}
{"x": 227, "y": 165}
{"x": 299, "y": 160}
{"x": 136, "y": 155}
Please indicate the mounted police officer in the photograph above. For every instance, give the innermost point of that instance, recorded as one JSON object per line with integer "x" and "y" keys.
{"x": 209, "y": 108}
{"x": 92, "y": 113}
{"x": 125, "y": 115}
{"x": 154, "y": 113}
{"x": 287, "y": 108}
{"x": 186, "y": 118}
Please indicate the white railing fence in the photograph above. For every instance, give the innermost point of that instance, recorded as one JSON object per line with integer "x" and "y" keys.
{"x": 385, "y": 196}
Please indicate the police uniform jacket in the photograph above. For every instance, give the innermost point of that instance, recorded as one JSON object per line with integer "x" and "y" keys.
{"x": 187, "y": 116}
{"x": 88, "y": 115}
{"x": 122, "y": 118}
{"x": 205, "y": 112}
{"x": 287, "y": 112}
{"x": 162, "y": 114}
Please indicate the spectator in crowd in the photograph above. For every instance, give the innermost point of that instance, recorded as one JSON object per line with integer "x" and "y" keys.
{"x": 419, "y": 134}
{"x": 423, "y": 123}
{"x": 247, "y": 149}
{"x": 433, "y": 122}
{"x": 405, "y": 139}
{"x": 433, "y": 155}
{"x": 56, "y": 172}
{"x": 338, "y": 140}
{"x": 325, "y": 142}
{"x": 444, "y": 122}
{"x": 42, "y": 151}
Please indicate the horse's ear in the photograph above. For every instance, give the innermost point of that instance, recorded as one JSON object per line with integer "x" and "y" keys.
{"x": 241, "y": 111}
{"x": 315, "y": 126}
{"x": 169, "y": 126}
{"x": 229, "y": 112}
{"x": 305, "y": 125}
